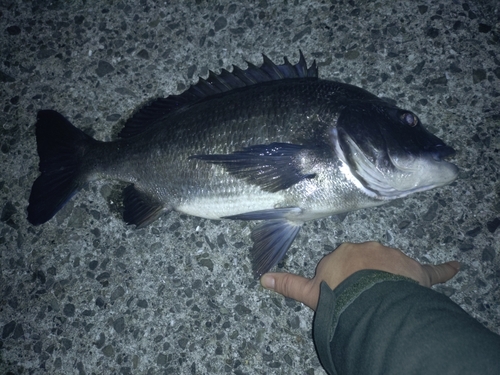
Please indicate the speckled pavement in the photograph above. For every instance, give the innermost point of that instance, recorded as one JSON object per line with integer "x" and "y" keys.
{"x": 86, "y": 294}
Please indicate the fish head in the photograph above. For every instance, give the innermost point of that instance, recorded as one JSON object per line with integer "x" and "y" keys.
{"x": 388, "y": 153}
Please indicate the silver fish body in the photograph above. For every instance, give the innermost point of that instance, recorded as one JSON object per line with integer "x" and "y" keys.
{"x": 275, "y": 144}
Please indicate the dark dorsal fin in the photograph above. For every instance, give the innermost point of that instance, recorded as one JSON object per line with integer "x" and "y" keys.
{"x": 216, "y": 84}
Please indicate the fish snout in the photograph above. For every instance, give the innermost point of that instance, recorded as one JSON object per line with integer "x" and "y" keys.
{"x": 442, "y": 151}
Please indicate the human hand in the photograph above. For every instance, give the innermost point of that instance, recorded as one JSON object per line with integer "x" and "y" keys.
{"x": 349, "y": 258}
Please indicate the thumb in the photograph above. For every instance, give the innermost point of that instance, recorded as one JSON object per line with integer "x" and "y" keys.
{"x": 436, "y": 274}
{"x": 292, "y": 286}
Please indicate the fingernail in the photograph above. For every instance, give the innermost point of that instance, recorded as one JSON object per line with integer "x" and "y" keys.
{"x": 267, "y": 281}
{"x": 455, "y": 265}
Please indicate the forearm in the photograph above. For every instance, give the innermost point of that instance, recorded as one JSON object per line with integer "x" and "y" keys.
{"x": 379, "y": 323}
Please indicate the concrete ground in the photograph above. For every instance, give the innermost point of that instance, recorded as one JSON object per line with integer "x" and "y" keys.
{"x": 86, "y": 294}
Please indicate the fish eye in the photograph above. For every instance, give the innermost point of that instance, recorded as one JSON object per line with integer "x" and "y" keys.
{"x": 409, "y": 119}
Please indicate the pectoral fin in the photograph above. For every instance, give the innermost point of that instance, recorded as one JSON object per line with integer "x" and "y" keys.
{"x": 272, "y": 167}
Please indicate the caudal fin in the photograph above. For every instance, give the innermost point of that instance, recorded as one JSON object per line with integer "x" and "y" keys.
{"x": 60, "y": 147}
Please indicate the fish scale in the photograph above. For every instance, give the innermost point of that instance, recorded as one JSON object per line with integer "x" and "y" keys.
{"x": 274, "y": 144}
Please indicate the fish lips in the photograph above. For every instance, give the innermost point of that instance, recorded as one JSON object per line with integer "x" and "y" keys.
{"x": 388, "y": 152}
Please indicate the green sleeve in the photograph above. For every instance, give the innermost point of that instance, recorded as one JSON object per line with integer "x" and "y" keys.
{"x": 380, "y": 323}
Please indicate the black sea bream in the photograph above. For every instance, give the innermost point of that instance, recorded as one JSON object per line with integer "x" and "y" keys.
{"x": 273, "y": 143}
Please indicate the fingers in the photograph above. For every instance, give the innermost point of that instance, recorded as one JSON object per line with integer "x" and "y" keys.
{"x": 292, "y": 286}
{"x": 440, "y": 273}
{"x": 350, "y": 258}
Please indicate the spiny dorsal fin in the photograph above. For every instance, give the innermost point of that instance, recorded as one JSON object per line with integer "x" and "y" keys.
{"x": 216, "y": 84}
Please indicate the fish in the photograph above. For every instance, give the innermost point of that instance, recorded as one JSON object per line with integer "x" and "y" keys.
{"x": 274, "y": 144}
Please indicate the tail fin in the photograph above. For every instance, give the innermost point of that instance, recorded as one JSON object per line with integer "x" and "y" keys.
{"x": 60, "y": 147}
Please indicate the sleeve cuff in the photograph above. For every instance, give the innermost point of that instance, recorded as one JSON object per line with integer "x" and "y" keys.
{"x": 332, "y": 304}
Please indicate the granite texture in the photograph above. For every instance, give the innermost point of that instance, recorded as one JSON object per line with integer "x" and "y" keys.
{"x": 85, "y": 294}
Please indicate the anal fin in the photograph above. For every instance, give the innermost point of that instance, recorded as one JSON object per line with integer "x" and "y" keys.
{"x": 141, "y": 208}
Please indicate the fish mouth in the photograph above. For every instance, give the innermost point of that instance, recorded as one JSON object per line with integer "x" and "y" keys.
{"x": 442, "y": 151}
{"x": 398, "y": 175}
